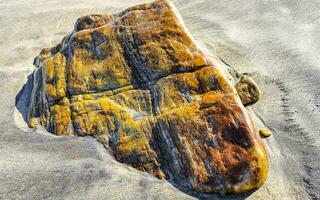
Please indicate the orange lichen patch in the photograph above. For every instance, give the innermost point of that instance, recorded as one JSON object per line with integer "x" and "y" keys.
{"x": 130, "y": 143}
{"x": 60, "y": 117}
{"x": 199, "y": 59}
{"x": 210, "y": 99}
{"x": 138, "y": 83}
{"x": 181, "y": 53}
{"x": 55, "y": 76}
{"x": 191, "y": 82}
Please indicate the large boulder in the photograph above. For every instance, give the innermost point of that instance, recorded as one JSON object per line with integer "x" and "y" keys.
{"x": 138, "y": 82}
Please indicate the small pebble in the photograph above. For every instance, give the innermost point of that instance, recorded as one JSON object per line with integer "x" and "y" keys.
{"x": 265, "y": 133}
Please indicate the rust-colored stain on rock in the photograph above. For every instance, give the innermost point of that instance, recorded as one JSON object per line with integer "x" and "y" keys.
{"x": 138, "y": 82}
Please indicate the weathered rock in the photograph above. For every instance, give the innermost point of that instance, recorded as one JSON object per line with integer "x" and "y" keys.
{"x": 138, "y": 82}
{"x": 248, "y": 90}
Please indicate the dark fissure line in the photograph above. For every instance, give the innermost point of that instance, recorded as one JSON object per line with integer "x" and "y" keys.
{"x": 142, "y": 75}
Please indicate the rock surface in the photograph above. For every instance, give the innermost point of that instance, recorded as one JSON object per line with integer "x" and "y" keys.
{"x": 248, "y": 90}
{"x": 138, "y": 82}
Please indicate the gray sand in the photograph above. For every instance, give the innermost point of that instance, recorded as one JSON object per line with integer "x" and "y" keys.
{"x": 275, "y": 42}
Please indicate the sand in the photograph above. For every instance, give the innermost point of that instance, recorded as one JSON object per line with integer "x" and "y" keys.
{"x": 275, "y": 42}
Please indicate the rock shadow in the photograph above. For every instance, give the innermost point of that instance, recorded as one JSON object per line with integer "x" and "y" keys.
{"x": 22, "y": 99}
{"x": 213, "y": 196}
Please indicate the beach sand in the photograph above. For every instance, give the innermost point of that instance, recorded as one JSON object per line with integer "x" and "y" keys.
{"x": 275, "y": 42}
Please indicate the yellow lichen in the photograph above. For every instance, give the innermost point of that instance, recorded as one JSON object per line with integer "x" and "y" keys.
{"x": 61, "y": 117}
{"x": 129, "y": 144}
{"x": 32, "y": 123}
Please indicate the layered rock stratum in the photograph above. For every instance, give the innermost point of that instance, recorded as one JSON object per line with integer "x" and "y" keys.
{"x": 138, "y": 82}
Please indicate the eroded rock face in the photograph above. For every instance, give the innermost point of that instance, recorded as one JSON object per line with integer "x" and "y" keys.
{"x": 137, "y": 81}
